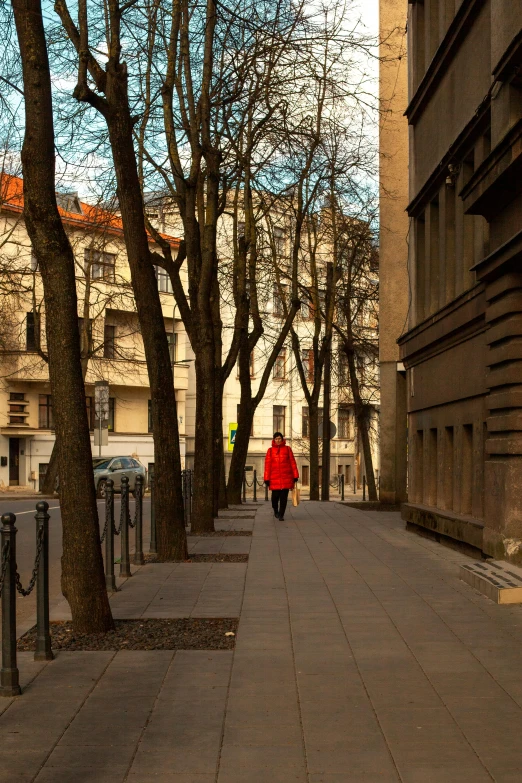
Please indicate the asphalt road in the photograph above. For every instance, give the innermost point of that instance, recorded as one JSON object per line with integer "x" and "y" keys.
{"x": 26, "y": 544}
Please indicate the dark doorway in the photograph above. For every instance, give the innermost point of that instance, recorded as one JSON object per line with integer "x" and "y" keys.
{"x": 14, "y": 461}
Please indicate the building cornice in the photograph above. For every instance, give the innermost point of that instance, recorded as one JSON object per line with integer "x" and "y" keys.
{"x": 466, "y": 138}
{"x": 498, "y": 179}
{"x": 447, "y": 49}
{"x": 508, "y": 253}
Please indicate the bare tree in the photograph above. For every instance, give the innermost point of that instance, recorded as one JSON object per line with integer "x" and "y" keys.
{"x": 106, "y": 90}
{"x": 83, "y": 582}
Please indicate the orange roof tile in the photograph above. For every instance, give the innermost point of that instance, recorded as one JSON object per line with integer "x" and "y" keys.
{"x": 92, "y": 217}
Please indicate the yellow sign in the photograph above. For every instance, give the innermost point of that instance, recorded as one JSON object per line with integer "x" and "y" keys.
{"x": 232, "y": 429}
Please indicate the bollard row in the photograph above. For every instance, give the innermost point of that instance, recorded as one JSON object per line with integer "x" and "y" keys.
{"x": 123, "y": 530}
{"x": 10, "y": 583}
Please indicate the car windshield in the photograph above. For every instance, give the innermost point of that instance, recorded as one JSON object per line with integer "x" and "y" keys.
{"x": 100, "y": 464}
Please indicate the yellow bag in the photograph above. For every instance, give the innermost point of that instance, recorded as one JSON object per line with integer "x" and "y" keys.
{"x": 296, "y": 495}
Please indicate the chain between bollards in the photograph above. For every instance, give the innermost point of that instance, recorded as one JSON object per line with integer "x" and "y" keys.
{"x": 139, "y": 558}
{"x": 124, "y": 529}
{"x": 9, "y": 675}
{"x": 255, "y": 485}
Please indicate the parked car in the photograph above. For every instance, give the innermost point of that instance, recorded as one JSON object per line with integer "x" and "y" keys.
{"x": 115, "y": 468}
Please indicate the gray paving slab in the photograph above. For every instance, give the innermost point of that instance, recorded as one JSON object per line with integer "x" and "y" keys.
{"x": 361, "y": 657}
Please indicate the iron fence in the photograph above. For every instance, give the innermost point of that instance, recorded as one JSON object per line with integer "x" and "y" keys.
{"x": 11, "y": 584}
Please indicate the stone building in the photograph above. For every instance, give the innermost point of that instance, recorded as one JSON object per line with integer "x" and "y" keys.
{"x": 109, "y": 331}
{"x": 463, "y": 347}
{"x": 393, "y": 247}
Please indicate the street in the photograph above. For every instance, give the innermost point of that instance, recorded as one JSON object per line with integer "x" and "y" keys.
{"x": 24, "y": 511}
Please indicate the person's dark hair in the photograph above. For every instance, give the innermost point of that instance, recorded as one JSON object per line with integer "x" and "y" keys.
{"x": 278, "y": 433}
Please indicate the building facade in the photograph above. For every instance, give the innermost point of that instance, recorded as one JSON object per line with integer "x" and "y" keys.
{"x": 463, "y": 349}
{"x": 393, "y": 247}
{"x": 111, "y": 342}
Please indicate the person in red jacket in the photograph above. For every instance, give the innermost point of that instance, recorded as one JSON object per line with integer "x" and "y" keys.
{"x": 280, "y": 473}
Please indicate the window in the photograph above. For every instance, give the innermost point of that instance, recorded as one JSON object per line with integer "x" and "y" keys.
{"x": 343, "y": 369}
{"x": 69, "y": 202}
{"x": 16, "y": 420}
{"x": 305, "y": 422}
{"x": 279, "y": 300}
{"x": 109, "y": 341}
{"x": 150, "y": 416}
{"x": 45, "y": 412}
{"x": 34, "y": 262}
{"x": 279, "y": 240}
{"x": 343, "y": 422}
{"x": 101, "y": 266}
{"x": 117, "y": 464}
{"x": 240, "y": 229}
{"x": 279, "y": 418}
{"x": 172, "y": 338}
{"x": 305, "y": 475}
{"x": 306, "y": 312}
{"x": 164, "y": 284}
{"x": 17, "y": 396}
{"x": 280, "y": 366}
{"x": 30, "y": 332}
{"x": 251, "y": 426}
{"x": 307, "y": 358}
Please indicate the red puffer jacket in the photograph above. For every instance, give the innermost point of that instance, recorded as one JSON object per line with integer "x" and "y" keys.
{"x": 280, "y": 466}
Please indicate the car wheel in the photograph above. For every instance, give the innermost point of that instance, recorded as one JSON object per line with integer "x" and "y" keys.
{"x": 101, "y": 488}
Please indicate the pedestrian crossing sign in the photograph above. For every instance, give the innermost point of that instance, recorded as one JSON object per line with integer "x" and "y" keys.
{"x": 232, "y": 429}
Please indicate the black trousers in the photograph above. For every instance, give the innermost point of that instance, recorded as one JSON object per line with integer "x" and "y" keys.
{"x": 279, "y": 501}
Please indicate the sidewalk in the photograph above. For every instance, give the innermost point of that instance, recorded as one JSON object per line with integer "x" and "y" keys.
{"x": 360, "y": 657}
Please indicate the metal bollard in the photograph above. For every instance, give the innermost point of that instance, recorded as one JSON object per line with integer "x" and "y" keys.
{"x": 342, "y": 486}
{"x": 124, "y": 529}
{"x": 153, "y": 548}
{"x": 138, "y": 547}
{"x": 110, "y": 579}
{"x": 266, "y": 492}
{"x": 244, "y": 487}
{"x": 354, "y": 485}
{"x": 184, "y": 492}
{"x": 43, "y": 650}
{"x": 364, "y": 487}
{"x": 255, "y": 486}
{"x": 190, "y": 477}
{"x": 9, "y": 675}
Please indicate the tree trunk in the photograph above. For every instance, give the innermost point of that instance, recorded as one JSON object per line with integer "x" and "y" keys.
{"x": 204, "y": 440}
{"x": 223, "y": 494}
{"x": 240, "y": 453}
{"x": 83, "y": 581}
{"x": 362, "y": 417}
{"x": 170, "y": 525}
{"x": 325, "y": 484}
{"x": 313, "y": 412}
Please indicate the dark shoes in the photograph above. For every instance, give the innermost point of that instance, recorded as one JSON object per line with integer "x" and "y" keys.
{"x": 281, "y": 518}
